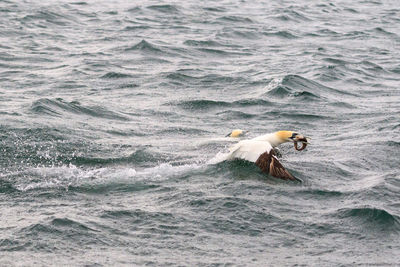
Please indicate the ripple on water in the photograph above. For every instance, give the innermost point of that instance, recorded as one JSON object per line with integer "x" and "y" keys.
{"x": 232, "y": 215}
{"x": 235, "y": 19}
{"x": 116, "y": 75}
{"x": 235, "y": 115}
{"x": 168, "y": 9}
{"x": 196, "y": 105}
{"x": 65, "y": 230}
{"x": 201, "y": 43}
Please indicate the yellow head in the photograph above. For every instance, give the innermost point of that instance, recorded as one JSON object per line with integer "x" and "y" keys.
{"x": 290, "y": 136}
{"x": 284, "y": 135}
{"x": 237, "y": 133}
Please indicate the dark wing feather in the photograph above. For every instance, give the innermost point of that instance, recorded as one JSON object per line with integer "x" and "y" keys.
{"x": 268, "y": 163}
{"x": 277, "y": 170}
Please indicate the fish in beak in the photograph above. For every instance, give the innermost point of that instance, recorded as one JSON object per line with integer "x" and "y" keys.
{"x": 297, "y": 138}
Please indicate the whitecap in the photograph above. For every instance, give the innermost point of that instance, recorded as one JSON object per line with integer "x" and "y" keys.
{"x": 71, "y": 175}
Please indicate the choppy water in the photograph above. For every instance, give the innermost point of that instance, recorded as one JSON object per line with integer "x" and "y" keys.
{"x": 110, "y": 112}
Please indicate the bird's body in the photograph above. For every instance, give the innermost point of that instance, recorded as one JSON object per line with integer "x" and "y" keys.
{"x": 260, "y": 150}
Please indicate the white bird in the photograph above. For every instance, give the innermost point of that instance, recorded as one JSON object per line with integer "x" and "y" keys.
{"x": 260, "y": 150}
{"x": 237, "y": 133}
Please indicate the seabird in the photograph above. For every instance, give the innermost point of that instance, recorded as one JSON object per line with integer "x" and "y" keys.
{"x": 237, "y": 133}
{"x": 261, "y": 151}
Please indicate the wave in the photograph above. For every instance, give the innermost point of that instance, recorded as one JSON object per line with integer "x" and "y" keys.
{"x": 297, "y": 87}
{"x": 240, "y": 34}
{"x": 79, "y": 3}
{"x": 297, "y": 116}
{"x": 215, "y": 9}
{"x": 115, "y": 75}
{"x": 44, "y": 18}
{"x": 216, "y": 52}
{"x": 140, "y": 157}
{"x": 235, "y": 114}
{"x": 150, "y": 223}
{"x": 371, "y": 67}
{"x": 145, "y": 47}
{"x": 372, "y": 217}
{"x": 289, "y": 15}
{"x": 217, "y": 215}
{"x": 6, "y": 186}
{"x": 34, "y": 146}
{"x": 208, "y": 104}
{"x": 139, "y": 216}
{"x": 50, "y": 146}
{"x": 190, "y": 131}
{"x": 80, "y": 177}
{"x": 288, "y": 88}
{"x": 93, "y": 180}
{"x": 202, "y": 104}
{"x": 5, "y": 113}
{"x": 197, "y": 43}
{"x": 168, "y": 9}
{"x": 209, "y": 79}
{"x": 62, "y": 229}
{"x": 252, "y": 102}
{"x": 281, "y": 34}
{"x": 384, "y": 32}
{"x": 11, "y": 244}
{"x": 137, "y": 27}
{"x": 234, "y": 19}
{"x": 58, "y": 107}
{"x": 322, "y": 193}
{"x": 284, "y": 91}
{"x": 182, "y": 77}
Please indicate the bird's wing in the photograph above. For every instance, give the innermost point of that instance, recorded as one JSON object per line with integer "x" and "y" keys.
{"x": 249, "y": 150}
{"x": 263, "y": 155}
{"x": 270, "y": 164}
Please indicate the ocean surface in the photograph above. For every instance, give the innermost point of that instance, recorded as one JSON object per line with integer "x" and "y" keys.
{"x": 112, "y": 112}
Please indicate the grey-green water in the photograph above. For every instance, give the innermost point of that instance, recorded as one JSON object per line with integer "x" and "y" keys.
{"x": 111, "y": 110}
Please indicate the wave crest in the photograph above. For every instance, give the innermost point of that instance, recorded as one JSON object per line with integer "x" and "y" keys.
{"x": 302, "y": 89}
{"x": 372, "y": 217}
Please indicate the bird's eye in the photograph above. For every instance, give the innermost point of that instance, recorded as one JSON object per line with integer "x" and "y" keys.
{"x": 293, "y": 135}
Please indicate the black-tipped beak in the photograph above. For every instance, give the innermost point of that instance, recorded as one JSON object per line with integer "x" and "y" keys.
{"x": 293, "y": 137}
{"x": 298, "y": 138}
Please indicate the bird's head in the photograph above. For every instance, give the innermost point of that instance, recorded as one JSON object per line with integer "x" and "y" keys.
{"x": 237, "y": 133}
{"x": 290, "y": 136}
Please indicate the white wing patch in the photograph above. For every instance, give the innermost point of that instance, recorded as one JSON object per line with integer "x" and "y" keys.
{"x": 249, "y": 150}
